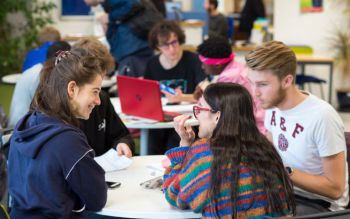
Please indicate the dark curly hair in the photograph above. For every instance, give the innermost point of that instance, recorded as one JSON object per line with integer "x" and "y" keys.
{"x": 215, "y": 47}
{"x": 162, "y": 30}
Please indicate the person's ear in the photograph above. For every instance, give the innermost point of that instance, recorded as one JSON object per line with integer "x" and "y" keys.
{"x": 217, "y": 114}
{"x": 288, "y": 81}
{"x": 72, "y": 89}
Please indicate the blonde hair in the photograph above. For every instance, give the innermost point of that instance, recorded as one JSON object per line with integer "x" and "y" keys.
{"x": 49, "y": 34}
{"x": 96, "y": 48}
{"x": 273, "y": 56}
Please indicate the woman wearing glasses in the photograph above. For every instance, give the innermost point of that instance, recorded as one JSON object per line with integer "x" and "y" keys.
{"x": 173, "y": 67}
{"x": 233, "y": 171}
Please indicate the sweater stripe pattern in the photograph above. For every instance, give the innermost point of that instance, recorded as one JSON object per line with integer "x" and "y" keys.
{"x": 187, "y": 185}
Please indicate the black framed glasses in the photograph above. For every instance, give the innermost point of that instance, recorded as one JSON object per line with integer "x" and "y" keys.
{"x": 167, "y": 45}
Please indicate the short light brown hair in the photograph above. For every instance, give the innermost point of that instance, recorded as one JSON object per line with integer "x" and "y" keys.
{"x": 96, "y": 48}
{"x": 49, "y": 34}
{"x": 273, "y": 56}
{"x": 163, "y": 30}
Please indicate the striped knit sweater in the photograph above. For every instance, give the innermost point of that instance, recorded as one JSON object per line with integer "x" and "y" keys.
{"x": 187, "y": 185}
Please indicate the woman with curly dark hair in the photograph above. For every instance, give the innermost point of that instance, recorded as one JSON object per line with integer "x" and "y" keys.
{"x": 233, "y": 171}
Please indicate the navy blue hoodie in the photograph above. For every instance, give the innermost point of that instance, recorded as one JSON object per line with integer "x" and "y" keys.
{"x": 52, "y": 173}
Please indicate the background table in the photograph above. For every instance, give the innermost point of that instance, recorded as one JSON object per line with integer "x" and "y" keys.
{"x": 12, "y": 78}
{"x": 144, "y": 126}
{"x": 130, "y": 200}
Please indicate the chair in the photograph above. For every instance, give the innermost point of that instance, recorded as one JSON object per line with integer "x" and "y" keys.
{"x": 302, "y": 79}
{"x": 308, "y": 79}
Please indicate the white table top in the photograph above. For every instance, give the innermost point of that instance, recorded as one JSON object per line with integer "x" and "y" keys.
{"x": 130, "y": 200}
{"x": 151, "y": 124}
{"x": 12, "y": 78}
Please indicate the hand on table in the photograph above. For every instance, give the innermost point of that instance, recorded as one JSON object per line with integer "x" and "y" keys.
{"x": 123, "y": 149}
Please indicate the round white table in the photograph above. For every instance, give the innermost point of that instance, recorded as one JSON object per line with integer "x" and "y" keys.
{"x": 144, "y": 124}
{"x": 130, "y": 200}
{"x": 12, "y": 78}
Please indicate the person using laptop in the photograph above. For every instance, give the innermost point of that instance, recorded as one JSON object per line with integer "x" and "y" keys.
{"x": 305, "y": 130}
{"x": 173, "y": 67}
{"x": 227, "y": 173}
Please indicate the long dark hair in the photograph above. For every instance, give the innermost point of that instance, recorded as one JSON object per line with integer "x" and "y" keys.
{"x": 51, "y": 96}
{"x": 236, "y": 139}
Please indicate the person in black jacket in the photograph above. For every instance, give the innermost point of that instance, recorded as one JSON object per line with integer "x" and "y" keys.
{"x": 104, "y": 129}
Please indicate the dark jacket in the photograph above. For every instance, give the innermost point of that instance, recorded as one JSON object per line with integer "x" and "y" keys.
{"x": 104, "y": 129}
{"x": 52, "y": 172}
{"x": 123, "y": 42}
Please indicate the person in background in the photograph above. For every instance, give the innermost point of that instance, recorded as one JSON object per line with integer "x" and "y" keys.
{"x": 305, "y": 130}
{"x": 227, "y": 173}
{"x": 219, "y": 62}
{"x": 217, "y": 22}
{"x": 52, "y": 172}
{"x": 130, "y": 51}
{"x": 104, "y": 129}
{"x": 46, "y": 37}
{"x": 26, "y": 86}
{"x": 252, "y": 9}
{"x": 160, "y": 5}
{"x": 173, "y": 67}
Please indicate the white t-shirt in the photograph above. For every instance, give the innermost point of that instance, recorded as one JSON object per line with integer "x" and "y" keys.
{"x": 306, "y": 133}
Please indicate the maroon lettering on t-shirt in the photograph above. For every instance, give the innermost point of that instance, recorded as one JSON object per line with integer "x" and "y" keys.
{"x": 297, "y": 130}
{"x": 282, "y": 124}
{"x": 273, "y": 118}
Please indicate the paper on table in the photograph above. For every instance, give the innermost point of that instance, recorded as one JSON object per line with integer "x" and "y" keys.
{"x": 110, "y": 161}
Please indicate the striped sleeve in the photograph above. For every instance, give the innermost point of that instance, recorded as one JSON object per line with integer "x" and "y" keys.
{"x": 187, "y": 180}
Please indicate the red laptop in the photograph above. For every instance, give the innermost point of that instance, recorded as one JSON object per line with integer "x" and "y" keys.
{"x": 142, "y": 98}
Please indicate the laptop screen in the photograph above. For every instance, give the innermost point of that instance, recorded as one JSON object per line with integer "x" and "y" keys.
{"x": 140, "y": 97}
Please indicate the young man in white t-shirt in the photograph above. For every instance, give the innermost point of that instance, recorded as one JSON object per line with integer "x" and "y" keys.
{"x": 306, "y": 131}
